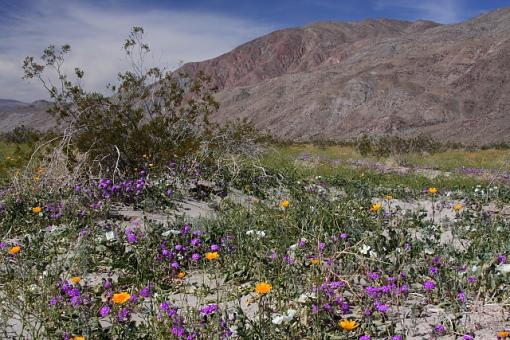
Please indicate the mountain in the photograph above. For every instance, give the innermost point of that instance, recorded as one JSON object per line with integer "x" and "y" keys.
{"x": 334, "y": 81}
{"x": 14, "y": 113}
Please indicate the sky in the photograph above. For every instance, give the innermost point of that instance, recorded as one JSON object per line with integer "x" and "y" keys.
{"x": 177, "y": 31}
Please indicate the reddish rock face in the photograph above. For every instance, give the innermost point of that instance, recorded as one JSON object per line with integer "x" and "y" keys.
{"x": 336, "y": 80}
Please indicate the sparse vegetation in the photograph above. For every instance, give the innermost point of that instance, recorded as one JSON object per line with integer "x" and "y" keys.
{"x": 301, "y": 241}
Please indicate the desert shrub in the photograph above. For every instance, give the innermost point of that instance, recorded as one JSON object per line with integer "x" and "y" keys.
{"x": 152, "y": 113}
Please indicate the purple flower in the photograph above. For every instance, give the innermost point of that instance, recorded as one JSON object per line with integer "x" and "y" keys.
{"x": 439, "y": 329}
{"x": 433, "y": 270}
{"x": 104, "y": 311}
{"x": 215, "y": 247}
{"x": 471, "y": 279}
{"x": 53, "y": 301}
{"x": 145, "y": 292}
{"x": 429, "y": 285}
{"x": 274, "y": 255}
{"x": 195, "y": 242}
{"x": 436, "y": 260}
{"x": 315, "y": 309}
{"x": 178, "y": 331}
{"x": 461, "y": 296}
{"x": 501, "y": 259}
{"x": 123, "y": 314}
{"x": 468, "y": 337}
{"x": 381, "y": 307}
{"x": 179, "y": 247}
{"x": 185, "y": 229}
{"x": 365, "y": 337}
{"x": 373, "y": 276}
{"x": 107, "y": 284}
{"x": 344, "y": 236}
{"x": 195, "y": 257}
{"x": 209, "y": 309}
{"x": 396, "y": 337}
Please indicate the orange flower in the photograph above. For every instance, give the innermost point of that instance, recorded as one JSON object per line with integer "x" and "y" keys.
{"x": 348, "y": 325}
{"x": 14, "y": 250}
{"x": 458, "y": 207}
{"x": 263, "y": 288}
{"x": 36, "y": 210}
{"x": 375, "y": 207}
{"x": 78, "y": 338}
{"x": 314, "y": 261}
{"x": 75, "y": 279}
{"x": 120, "y": 298}
{"x": 181, "y": 275}
{"x": 503, "y": 334}
{"x": 284, "y": 203}
{"x": 212, "y": 255}
{"x": 432, "y": 190}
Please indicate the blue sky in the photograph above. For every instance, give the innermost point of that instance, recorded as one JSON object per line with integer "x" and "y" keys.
{"x": 178, "y": 31}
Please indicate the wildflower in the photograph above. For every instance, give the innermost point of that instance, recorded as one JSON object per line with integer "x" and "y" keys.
{"x": 209, "y": 309}
{"x": 381, "y": 307}
{"x": 75, "y": 279}
{"x": 123, "y": 314}
{"x": 439, "y": 329}
{"x": 284, "y": 204}
{"x": 314, "y": 261}
{"x": 433, "y": 270}
{"x": 396, "y": 337}
{"x": 501, "y": 259}
{"x": 461, "y": 296}
{"x": 14, "y": 250}
{"x": 458, "y": 207}
{"x": 263, "y": 288}
{"x": 503, "y": 335}
{"x": 78, "y": 338}
{"x": 212, "y": 255}
{"x": 120, "y": 298}
{"x": 468, "y": 337}
{"x": 388, "y": 197}
{"x": 36, "y": 210}
{"x": 181, "y": 275}
{"x": 432, "y": 190}
{"x": 365, "y": 337}
{"x": 215, "y": 247}
{"x": 375, "y": 207}
{"x": 146, "y": 291}
{"x": 104, "y": 311}
{"x": 471, "y": 279}
{"x": 195, "y": 257}
{"x": 429, "y": 285}
{"x": 348, "y": 325}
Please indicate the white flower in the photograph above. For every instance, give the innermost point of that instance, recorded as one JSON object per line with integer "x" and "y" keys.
{"x": 364, "y": 249}
{"x": 303, "y": 298}
{"x": 474, "y": 268}
{"x": 503, "y": 268}
{"x": 279, "y": 319}
{"x": 171, "y": 231}
{"x": 110, "y": 236}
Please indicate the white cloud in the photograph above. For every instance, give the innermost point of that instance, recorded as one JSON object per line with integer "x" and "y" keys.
{"x": 96, "y": 36}
{"x": 443, "y": 11}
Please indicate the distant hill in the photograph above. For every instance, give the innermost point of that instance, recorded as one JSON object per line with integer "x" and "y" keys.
{"x": 14, "y": 113}
{"x": 334, "y": 80}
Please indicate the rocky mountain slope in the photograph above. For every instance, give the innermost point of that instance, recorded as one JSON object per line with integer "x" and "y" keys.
{"x": 336, "y": 80}
{"x": 14, "y": 113}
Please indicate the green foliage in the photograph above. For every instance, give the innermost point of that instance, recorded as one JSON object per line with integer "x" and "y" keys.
{"x": 151, "y": 112}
